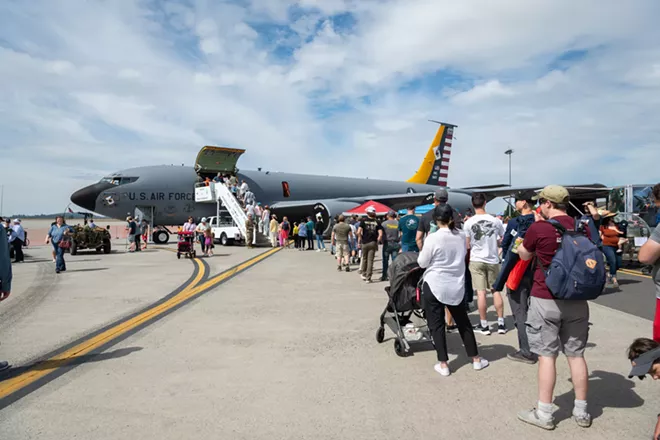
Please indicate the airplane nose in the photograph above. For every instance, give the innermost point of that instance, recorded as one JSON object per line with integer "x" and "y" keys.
{"x": 85, "y": 197}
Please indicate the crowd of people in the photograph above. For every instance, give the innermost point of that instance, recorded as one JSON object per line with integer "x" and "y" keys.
{"x": 476, "y": 252}
{"x": 460, "y": 254}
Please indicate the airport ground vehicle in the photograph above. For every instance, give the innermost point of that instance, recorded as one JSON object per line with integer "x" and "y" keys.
{"x": 186, "y": 245}
{"x": 84, "y": 237}
{"x": 225, "y": 230}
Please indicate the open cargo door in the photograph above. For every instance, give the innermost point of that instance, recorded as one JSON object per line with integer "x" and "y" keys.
{"x": 213, "y": 160}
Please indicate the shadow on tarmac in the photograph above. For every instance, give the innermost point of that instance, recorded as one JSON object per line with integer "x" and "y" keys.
{"x": 624, "y": 282}
{"x": 490, "y": 352}
{"x": 69, "y": 362}
{"x": 606, "y": 390}
{"x": 36, "y": 260}
{"x": 91, "y": 269}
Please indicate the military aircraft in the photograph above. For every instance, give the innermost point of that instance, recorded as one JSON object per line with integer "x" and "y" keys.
{"x": 165, "y": 195}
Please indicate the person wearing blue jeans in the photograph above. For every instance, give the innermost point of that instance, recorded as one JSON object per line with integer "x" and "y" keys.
{"x": 610, "y": 234}
{"x": 614, "y": 261}
{"x": 58, "y": 232}
{"x": 319, "y": 229}
{"x": 392, "y": 245}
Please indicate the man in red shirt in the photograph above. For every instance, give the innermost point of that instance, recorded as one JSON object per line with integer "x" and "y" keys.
{"x": 554, "y": 324}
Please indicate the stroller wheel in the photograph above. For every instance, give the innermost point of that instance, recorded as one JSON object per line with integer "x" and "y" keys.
{"x": 178, "y": 255}
{"x": 399, "y": 348}
{"x": 380, "y": 335}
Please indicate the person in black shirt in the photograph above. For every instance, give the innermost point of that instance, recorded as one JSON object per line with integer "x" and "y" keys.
{"x": 427, "y": 225}
{"x": 370, "y": 234}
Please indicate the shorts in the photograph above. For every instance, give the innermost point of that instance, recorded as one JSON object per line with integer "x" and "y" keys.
{"x": 342, "y": 250}
{"x": 484, "y": 275}
{"x": 557, "y": 325}
{"x": 131, "y": 238}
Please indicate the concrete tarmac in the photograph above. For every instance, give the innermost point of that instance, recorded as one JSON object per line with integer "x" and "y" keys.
{"x": 286, "y": 350}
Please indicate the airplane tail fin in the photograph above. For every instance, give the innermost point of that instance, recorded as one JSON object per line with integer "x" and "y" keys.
{"x": 435, "y": 167}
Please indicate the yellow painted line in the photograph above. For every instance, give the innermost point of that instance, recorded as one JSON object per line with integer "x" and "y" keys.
{"x": 635, "y": 273}
{"x": 45, "y": 367}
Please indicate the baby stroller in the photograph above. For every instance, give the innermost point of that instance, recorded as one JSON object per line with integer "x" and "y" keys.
{"x": 186, "y": 245}
{"x": 404, "y": 314}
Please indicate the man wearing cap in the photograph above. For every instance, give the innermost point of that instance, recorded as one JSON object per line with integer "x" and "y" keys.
{"x": 644, "y": 355}
{"x": 554, "y": 324}
{"x": 427, "y": 225}
{"x": 370, "y": 233}
{"x": 649, "y": 253}
{"x": 392, "y": 246}
{"x": 18, "y": 240}
{"x": 408, "y": 226}
{"x": 519, "y": 298}
{"x": 5, "y": 275}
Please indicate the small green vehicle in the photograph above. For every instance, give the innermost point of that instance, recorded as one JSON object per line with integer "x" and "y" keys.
{"x": 84, "y": 237}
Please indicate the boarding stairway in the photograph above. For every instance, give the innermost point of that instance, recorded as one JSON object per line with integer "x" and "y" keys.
{"x": 220, "y": 194}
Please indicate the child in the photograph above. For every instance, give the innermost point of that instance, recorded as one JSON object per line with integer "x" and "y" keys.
{"x": 644, "y": 355}
{"x": 295, "y": 236}
{"x": 208, "y": 242}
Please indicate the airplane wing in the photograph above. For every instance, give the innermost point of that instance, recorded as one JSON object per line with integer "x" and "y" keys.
{"x": 332, "y": 207}
{"x": 577, "y": 192}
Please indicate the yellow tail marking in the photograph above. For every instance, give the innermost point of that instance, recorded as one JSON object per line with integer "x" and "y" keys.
{"x": 426, "y": 168}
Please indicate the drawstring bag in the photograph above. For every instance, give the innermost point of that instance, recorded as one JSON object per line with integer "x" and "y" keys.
{"x": 516, "y": 274}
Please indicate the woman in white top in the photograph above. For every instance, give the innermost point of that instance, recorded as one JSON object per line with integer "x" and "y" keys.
{"x": 443, "y": 257}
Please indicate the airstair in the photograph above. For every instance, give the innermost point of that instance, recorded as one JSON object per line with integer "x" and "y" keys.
{"x": 221, "y": 195}
{"x": 211, "y": 161}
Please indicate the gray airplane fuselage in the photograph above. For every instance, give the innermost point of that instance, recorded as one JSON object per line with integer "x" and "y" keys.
{"x": 168, "y": 192}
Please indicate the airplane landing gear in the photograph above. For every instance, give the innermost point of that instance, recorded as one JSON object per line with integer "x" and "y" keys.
{"x": 161, "y": 235}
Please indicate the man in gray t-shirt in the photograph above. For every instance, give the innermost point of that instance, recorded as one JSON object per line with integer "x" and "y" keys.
{"x": 650, "y": 254}
{"x": 392, "y": 244}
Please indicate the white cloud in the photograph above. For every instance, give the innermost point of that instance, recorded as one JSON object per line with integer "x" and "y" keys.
{"x": 91, "y": 87}
{"x": 491, "y": 89}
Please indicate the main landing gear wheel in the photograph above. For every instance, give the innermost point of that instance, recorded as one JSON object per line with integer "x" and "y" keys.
{"x": 380, "y": 335}
{"x": 161, "y": 237}
{"x": 399, "y": 348}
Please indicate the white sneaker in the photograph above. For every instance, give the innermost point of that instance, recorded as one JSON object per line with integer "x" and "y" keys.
{"x": 318, "y": 250}
{"x": 483, "y": 363}
{"x": 443, "y": 371}
{"x": 363, "y": 278}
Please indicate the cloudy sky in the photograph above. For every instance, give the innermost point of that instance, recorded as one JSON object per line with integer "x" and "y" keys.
{"x": 340, "y": 87}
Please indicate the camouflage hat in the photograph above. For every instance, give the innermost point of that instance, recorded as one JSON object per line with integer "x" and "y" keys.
{"x": 553, "y": 193}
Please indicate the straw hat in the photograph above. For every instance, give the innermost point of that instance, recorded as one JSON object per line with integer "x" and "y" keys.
{"x": 604, "y": 213}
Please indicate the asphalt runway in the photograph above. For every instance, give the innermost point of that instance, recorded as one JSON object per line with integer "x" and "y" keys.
{"x": 263, "y": 344}
{"x": 636, "y": 295}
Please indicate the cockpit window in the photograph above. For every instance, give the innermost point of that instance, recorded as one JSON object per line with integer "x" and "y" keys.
{"x": 119, "y": 180}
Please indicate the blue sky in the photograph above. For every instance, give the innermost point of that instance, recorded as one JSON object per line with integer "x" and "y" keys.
{"x": 340, "y": 87}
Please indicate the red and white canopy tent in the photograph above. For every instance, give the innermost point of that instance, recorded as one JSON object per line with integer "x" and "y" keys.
{"x": 362, "y": 209}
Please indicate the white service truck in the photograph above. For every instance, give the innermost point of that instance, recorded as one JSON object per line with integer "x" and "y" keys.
{"x": 225, "y": 230}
